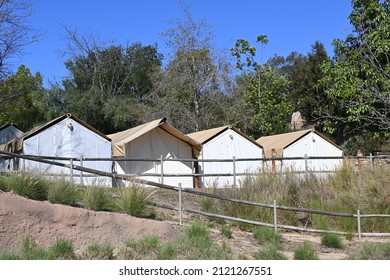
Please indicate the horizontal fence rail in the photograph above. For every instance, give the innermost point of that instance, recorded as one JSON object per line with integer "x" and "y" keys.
{"x": 180, "y": 190}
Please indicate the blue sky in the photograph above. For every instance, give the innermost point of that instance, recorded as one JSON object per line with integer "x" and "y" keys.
{"x": 289, "y": 25}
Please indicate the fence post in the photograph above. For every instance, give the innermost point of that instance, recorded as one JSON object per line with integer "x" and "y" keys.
{"x": 359, "y": 154}
{"x": 162, "y": 168}
{"x": 273, "y": 160}
{"x": 180, "y": 207}
{"x": 234, "y": 171}
{"x": 359, "y": 226}
{"x": 71, "y": 170}
{"x": 81, "y": 172}
{"x": 306, "y": 166}
{"x": 275, "y": 218}
{"x": 371, "y": 160}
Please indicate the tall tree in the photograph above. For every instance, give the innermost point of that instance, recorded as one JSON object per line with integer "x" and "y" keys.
{"x": 190, "y": 92}
{"x": 15, "y": 31}
{"x": 304, "y": 72}
{"x": 358, "y": 79}
{"x": 264, "y": 106}
{"x": 112, "y": 81}
{"x": 28, "y": 109}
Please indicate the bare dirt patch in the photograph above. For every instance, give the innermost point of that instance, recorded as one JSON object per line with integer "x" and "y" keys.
{"x": 45, "y": 222}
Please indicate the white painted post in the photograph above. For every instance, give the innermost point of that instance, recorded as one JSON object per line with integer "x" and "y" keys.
{"x": 180, "y": 207}
{"x": 275, "y": 218}
{"x": 371, "y": 160}
{"x": 234, "y": 171}
{"x": 162, "y": 169}
{"x": 359, "y": 226}
{"x": 71, "y": 170}
{"x": 81, "y": 172}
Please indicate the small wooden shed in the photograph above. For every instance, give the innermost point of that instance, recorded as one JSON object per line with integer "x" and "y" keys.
{"x": 227, "y": 143}
{"x": 304, "y": 143}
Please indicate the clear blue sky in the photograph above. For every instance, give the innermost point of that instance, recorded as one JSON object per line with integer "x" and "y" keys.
{"x": 290, "y": 25}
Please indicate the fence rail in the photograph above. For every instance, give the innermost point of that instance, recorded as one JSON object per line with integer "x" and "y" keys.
{"x": 180, "y": 209}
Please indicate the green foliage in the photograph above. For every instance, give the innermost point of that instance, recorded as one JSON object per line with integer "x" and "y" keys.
{"x": 146, "y": 248}
{"x": 4, "y": 184}
{"x": 23, "y": 94}
{"x": 226, "y": 231}
{"x": 270, "y": 253}
{"x": 265, "y": 235}
{"x": 29, "y": 185}
{"x": 32, "y": 251}
{"x": 305, "y": 252}
{"x": 112, "y": 81}
{"x": 134, "y": 201}
{"x": 264, "y": 101}
{"x": 97, "y": 199}
{"x": 96, "y": 251}
{"x": 62, "y": 249}
{"x": 332, "y": 240}
{"x": 63, "y": 192}
{"x": 303, "y": 72}
{"x": 357, "y": 80}
{"x": 376, "y": 251}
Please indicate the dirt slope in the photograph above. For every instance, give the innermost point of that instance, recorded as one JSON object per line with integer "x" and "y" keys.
{"x": 46, "y": 222}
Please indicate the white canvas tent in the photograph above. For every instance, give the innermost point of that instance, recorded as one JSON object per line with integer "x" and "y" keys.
{"x": 69, "y": 137}
{"x": 8, "y": 133}
{"x": 298, "y": 144}
{"x": 153, "y": 141}
{"x": 224, "y": 143}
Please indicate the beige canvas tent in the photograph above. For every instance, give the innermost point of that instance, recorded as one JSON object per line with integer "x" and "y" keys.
{"x": 307, "y": 142}
{"x": 226, "y": 143}
{"x": 8, "y": 133}
{"x": 69, "y": 137}
{"x": 152, "y": 142}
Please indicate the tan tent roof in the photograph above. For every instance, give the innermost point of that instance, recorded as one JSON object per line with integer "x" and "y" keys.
{"x": 206, "y": 135}
{"x": 16, "y": 145}
{"x": 126, "y": 136}
{"x": 281, "y": 141}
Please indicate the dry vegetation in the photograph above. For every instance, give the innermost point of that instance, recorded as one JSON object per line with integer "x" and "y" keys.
{"x": 212, "y": 238}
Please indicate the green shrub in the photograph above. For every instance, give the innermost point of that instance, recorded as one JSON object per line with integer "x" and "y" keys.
{"x": 332, "y": 240}
{"x": 97, "y": 251}
{"x": 63, "y": 192}
{"x": 166, "y": 252}
{"x": 375, "y": 252}
{"x": 63, "y": 249}
{"x": 134, "y": 201}
{"x": 265, "y": 235}
{"x": 305, "y": 252}
{"x": 97, "y": 199}
{"x": 10, "y": 256}
{"x": 226, "y": 231}
{"x": 29, "y": 185}
{"x": 4, "y": 184}
{"x": 270, "y": 253}
{"x": 31, "y": 250}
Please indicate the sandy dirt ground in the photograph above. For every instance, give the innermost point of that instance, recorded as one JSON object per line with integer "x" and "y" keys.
{"x": 46, "y": 222}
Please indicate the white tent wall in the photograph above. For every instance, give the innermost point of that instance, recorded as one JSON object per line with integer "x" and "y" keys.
{"x": 8, "y": 133}
{"x": 153, "y": 145}
{"x": 224, "y": 146}
{"x": 313, "y": 146}
{"x": 69, "y": 138}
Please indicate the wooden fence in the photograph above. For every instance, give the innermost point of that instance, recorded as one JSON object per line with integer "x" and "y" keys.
{"x": 276, "y": 208}
{"x": 357, "y": 161}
